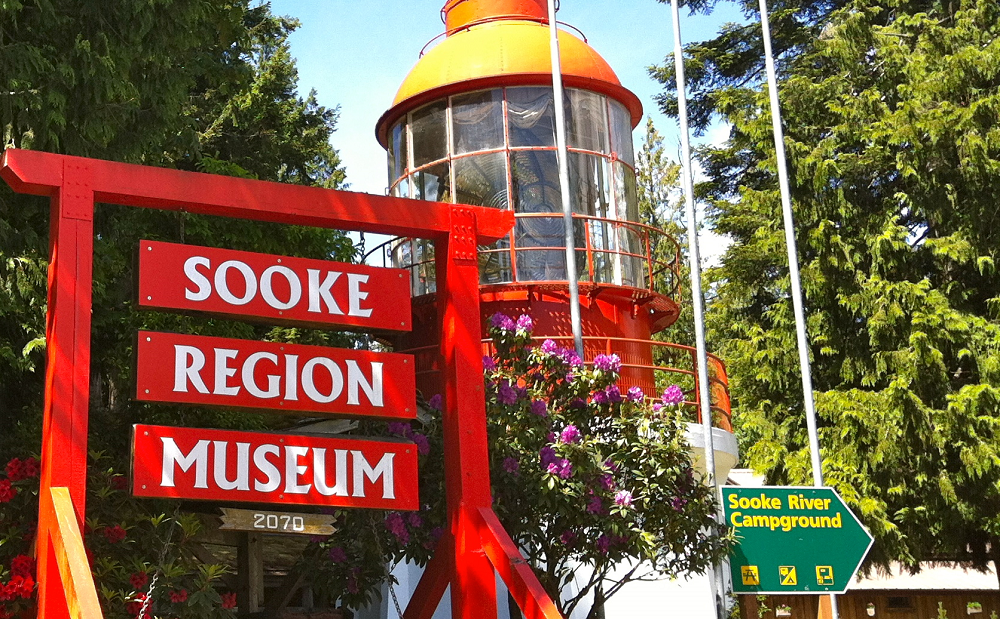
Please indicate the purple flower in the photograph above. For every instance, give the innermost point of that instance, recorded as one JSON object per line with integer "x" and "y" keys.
{"x": 635, "y": 394}
{"x": 395, "y": 524}
{"x": 506, "y": 394}
{"x": 607, "y": 481}
{"x": 550, "y": 437}
{"x": 608, "y": 363}
{"x": 673, "y": 395}
{"x": 435, "y": 401}
{"x": 538, "y": 407}
{"x": 524, "y": 324}
{"x": 488, "y": 363}
{"x": 415, "y": 520}
{"x": 678, "y": 503}
{"x": 612, "y": 466}
{"x": 511, "y": 465}
{"x": 423, "y": 445}
{"x": 623, "y": 498}
{"x": 578, "y": 403}
{"x": 437, "y": 532}
{"x": 595, "y": 505}
{"x": 614, "y": 394}
{"x": 570, "y": 376}
{"x": 600, "y": 397}
{"x": 569, "y": 435}
{"x": 547, "y": 455}
{"x": 603, "y": 543}
{"x": 337, "y": 554}
{"x": 399, "y": 429}
{"x": 549, "y": 347}
{"x": 502, "y": 322}
{"x": 567, "y": 537}
{"x": 657, "y": 407}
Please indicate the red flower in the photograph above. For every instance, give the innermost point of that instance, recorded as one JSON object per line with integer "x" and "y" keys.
{"x": 135, "y": 607}
{"x": 4, "y": 613}
{"x": 7, "y": 491}
{"x": 179, "y": 597}
{"x": 139, "y": 580}
{"x": 14, "y": 472}
{"x": 114, "y": 534}
{"x": 229, "y": 600}
{"x": 19, "y": 586}
{"x": 30, "y": 468}
{"x": 119, "y": 482}
{"x": 22, "y": 565}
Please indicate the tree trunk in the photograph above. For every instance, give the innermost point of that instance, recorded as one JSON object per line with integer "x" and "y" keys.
{"x": 597, "y": 609}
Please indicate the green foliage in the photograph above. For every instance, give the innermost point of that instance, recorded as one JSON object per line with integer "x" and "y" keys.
{"x": 890, "y": 111}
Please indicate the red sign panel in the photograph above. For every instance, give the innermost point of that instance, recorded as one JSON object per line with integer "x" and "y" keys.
{"x": 195, "y": 369}
{"x": 277, "y": 289}
{"x": 251, "y": 467}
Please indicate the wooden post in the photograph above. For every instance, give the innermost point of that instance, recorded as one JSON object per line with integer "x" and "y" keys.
{"x": 250, "y": 570}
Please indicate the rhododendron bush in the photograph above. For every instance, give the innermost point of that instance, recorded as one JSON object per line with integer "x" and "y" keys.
{"x": 590, "y": 479}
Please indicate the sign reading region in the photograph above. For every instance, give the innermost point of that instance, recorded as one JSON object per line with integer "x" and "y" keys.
{"x": 194, "y": 369}
{"x": 793, "y": 540}
{"x": 251, "y": 467}
{"x": 276, "y": 289}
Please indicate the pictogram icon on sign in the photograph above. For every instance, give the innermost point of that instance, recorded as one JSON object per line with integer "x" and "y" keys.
{"x": 751, "y": 574}
{"x": 824, "y": 575}
{"x": 788, "y": 576}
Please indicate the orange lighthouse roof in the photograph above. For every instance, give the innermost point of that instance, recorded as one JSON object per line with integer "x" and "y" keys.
{"x": 493, "y": 43}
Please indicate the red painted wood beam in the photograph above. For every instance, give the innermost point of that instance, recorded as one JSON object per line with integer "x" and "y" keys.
{"x": 40, "y": 173}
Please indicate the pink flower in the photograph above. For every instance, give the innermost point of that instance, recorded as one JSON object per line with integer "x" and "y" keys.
{"x": 567, "y": 537}
{"x": 607, "y": 481}
{"x": 635, "y": 394}
{"x": 561, "y": 467}
{"x": 524, "y": 324}
{"x": 608, "y": 363}
{"x": 548, "y": 347}
{"x": 570, "y": 435}
{"x": 603, "y": 543}
{"x": 623, "y": 498}
{"x": 595, "y": 505}
{"x": 673, "y": 395}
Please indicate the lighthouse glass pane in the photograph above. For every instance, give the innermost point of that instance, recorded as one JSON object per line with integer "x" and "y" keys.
{"x": 588, "y": 179}
{"x": 531, "y": 117}
{"x": 430, "y": 133}
{"x": 397, "y": 151}
{"x": 477, "y": 121}
{"x": 481, "y": 180}
{"x": 432, "y": 183}
{"x": 535, "y": 180}
{"x": 586, "y": 121}
{"x": 621, "y": 133}
{"x": 626, "y": 203}
{"x": 495, "y": 263}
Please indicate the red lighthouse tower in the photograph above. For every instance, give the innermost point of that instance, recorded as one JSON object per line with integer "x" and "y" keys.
{"x": 474, "y": 123}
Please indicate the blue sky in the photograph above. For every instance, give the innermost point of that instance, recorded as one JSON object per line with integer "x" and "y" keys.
{"x": 355, "y": 53}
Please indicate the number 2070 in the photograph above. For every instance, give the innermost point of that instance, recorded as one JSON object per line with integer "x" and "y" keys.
{"x": 274, "y": 522}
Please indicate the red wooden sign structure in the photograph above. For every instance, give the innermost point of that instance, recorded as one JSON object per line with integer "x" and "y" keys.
{"x": 475, "y": 543}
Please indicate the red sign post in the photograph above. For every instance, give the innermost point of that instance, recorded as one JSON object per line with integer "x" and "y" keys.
{"x": 475, "y": 543}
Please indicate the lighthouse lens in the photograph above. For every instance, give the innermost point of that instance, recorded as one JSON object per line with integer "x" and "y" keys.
{"x": 477, "y": 121}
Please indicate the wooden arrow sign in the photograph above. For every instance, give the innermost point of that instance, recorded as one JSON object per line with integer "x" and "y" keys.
{"x": 266, "y": 521}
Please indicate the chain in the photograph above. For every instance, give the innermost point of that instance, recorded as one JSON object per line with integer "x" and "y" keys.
{"x": 159, "y": 563}
{"x": 388, "y": 573}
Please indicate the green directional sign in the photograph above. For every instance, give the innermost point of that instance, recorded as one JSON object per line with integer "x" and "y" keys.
{"x": 793, "y": 539}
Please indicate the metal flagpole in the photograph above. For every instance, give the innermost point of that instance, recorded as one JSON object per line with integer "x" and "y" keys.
{"x": 793, "y": 261}
{"x": 694, "y": 259}
{"x": 564, "y": 189}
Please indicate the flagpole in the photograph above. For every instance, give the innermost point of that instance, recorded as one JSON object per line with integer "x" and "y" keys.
{"x": 793, "y": 261}
{"x": 694, "y": 260}
{"x": 564, "y": 189}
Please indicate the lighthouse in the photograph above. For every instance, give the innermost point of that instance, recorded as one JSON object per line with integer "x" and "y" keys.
{"x": 474, "y": 123}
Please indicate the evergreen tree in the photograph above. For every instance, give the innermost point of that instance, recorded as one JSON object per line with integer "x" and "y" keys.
{"x": 890, "y": 111}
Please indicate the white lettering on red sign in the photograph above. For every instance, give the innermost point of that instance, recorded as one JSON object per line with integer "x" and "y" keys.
{"x": 227, "y": 465}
